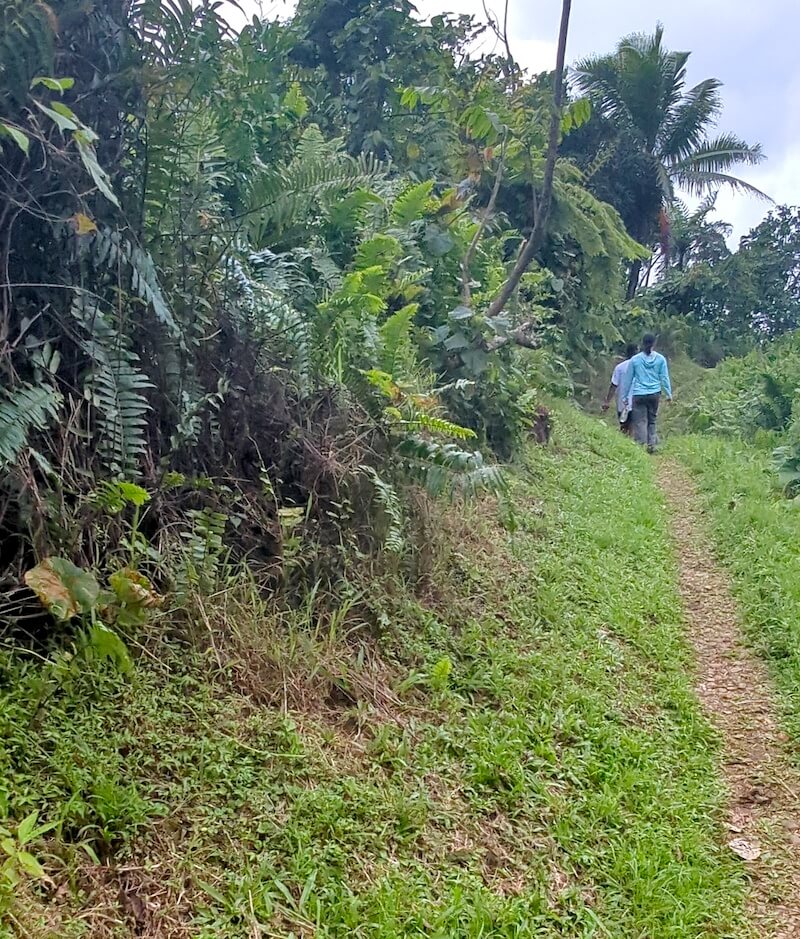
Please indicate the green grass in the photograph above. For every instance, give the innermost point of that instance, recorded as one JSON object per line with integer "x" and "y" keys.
{"x": 520, "y": 755}
{"x": 757, "y": 536}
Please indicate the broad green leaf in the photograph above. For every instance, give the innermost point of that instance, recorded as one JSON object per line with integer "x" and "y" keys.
{"x": 94, "y": 169}
{"x": 54, "y": 84}
{"x": 64, "y": 589}
{"x": 134, "y": 589}
{"x": 455, "y": 342}
{"x": 42, "y": 830}
{"x": 438, "y": 241}
{"x": 20, "y": 139}
{"x": 67, "y": 112}
{"x": 30, "y": 865}
{"x": 27, "y": 827}
{"x": 108, "y": 645}
{"x": 9, "y": 846}
{"x": 475, "y": 360}
{"x": 64, "y": 122}
{"x": 9, "y": 872}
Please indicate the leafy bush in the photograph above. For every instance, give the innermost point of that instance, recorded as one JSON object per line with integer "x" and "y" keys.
{"x": 744, "y": 396}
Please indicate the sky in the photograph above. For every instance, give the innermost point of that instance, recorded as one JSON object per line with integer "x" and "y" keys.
{"x": 750, "y": 45}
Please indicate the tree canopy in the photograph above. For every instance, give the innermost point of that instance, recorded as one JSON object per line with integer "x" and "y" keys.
{"x": 660, "y": 131}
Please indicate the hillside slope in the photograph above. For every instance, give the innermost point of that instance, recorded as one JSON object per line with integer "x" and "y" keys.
{"x": 514, "y": 752}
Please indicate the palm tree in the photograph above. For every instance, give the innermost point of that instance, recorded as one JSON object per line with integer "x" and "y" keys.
{"x": 640, "y": 91}
{"x": 692, "y": 237}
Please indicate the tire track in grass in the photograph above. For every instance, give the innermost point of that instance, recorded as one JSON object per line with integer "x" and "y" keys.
{"x": 735, "y": 689}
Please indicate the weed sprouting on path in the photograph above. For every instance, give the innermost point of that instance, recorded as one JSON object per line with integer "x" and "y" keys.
{"x": 536, "y": 764}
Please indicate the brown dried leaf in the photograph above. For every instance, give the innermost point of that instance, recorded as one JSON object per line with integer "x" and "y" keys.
{"x": 746, "y": 850}
{"x": 82, "y": 224}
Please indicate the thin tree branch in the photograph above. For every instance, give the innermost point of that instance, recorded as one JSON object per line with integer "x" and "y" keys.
{"x": 487, "y": 214}
{"x": 524, "y": 335}
{"x": 536, "y": 237}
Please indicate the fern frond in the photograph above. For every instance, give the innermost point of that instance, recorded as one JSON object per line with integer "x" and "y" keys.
{"x": 378, "y": 251}
{"x": 410, "y": 205}
{"x": 267, "y": 284}
{"x": 397, "y": 353}
{"x": 202, "y": 553}
{"x": 388, "y": 500}
{"x": 110, "y": 250}
{"x": 447, "y": 470}
{"x": 115, "y": 385}
{"x": 315, "y": 180}
{"x": 23, "y": 409}
{"x": 169, "y": 29}
{"x": 438, "y": 425}
{"x": 322, "y": 264}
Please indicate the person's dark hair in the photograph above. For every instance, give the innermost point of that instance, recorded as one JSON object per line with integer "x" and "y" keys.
{"x": 648, "y": 341}
{"x": 630, "y": 350}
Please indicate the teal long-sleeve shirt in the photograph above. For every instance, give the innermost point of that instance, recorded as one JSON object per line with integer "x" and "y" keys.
{"x": 646, "y": 375}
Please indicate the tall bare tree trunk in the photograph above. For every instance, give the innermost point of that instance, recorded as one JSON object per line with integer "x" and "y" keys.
{"x": 634, "y": 274}
{"x": 536, "y": 238}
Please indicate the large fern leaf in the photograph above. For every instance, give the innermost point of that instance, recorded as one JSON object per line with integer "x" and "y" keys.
{"x": 115, "y": 386}
{"x": 387, "y": 498}
{"x": 317, "y": 177}
{"x": 447, "y": 470}
{"x": 110, "y": 250}
{"x": 397, "y": 353}
{"x": 23, "y": 409}
{"x": 410, "y": 205}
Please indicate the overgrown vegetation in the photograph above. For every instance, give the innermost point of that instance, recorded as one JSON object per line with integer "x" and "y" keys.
{"x": 285, "y": 645}
{"x": 754, "y": 399}
{"x": 209, "y": 291}
{"x": 493, "y": 760}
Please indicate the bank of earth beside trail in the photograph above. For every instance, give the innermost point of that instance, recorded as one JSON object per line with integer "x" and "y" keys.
{"x": 519, "y": 753}
{"x": 757, "y": 537}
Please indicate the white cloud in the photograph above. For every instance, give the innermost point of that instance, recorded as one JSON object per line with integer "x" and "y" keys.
{"x": 778, "y": 178}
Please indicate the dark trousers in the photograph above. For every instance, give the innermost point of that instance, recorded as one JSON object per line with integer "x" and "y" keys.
{"x": 643, "y": 418}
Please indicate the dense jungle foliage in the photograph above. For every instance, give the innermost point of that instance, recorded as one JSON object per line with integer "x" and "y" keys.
{"x": 248, "y": 273}
{"x": 272, "y": 299}
{"x": 264, "y": 275}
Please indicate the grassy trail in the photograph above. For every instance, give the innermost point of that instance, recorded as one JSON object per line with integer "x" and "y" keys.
{"x": 517, "y": 754}
{"x": 756, "y": 534}
{"x": 736, "y": 692}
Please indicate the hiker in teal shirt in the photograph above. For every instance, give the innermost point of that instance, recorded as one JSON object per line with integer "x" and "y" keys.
{"x": 646, "y": 376}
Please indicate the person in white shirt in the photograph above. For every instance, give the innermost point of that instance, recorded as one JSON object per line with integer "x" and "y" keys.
{"x": 615, "y": 390}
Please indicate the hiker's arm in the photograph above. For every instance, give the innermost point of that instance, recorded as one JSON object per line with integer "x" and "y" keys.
{"x": 665, "y": 380}
{"x": 612, "y": 390}
{"x": 627, "y": 384}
